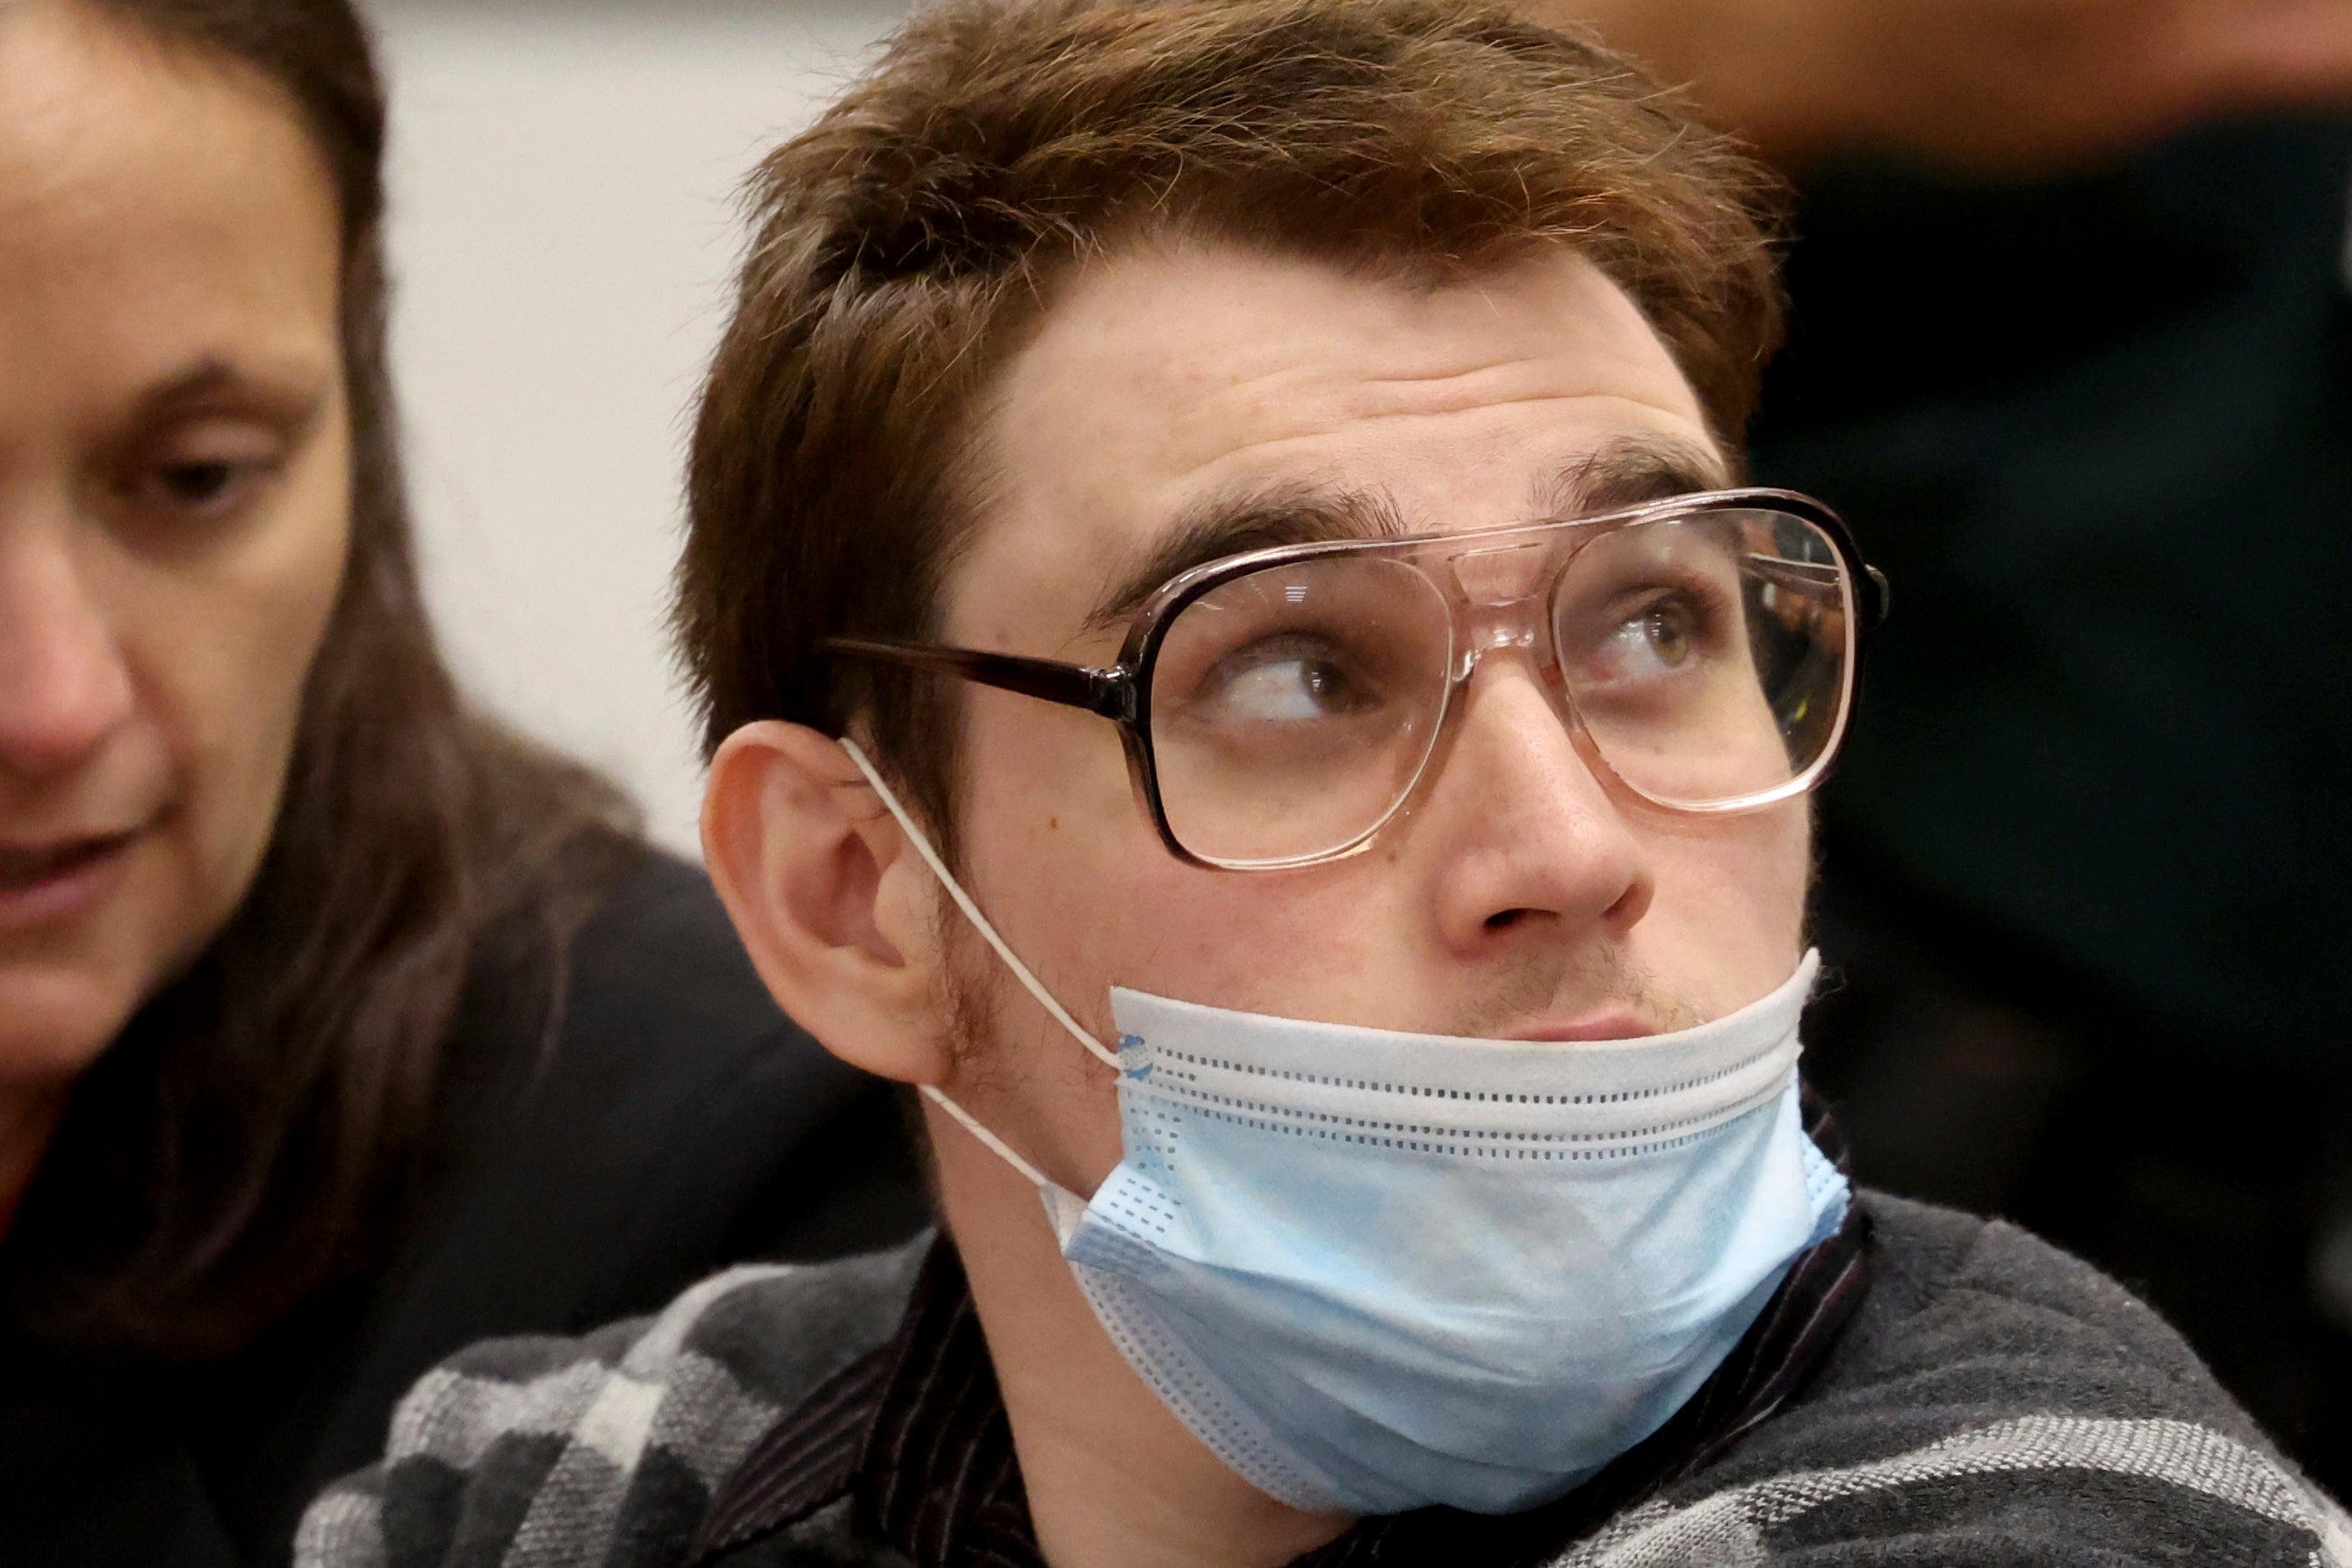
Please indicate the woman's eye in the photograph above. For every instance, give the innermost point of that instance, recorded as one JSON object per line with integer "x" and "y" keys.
{"x": 197, "y": 484}
{"x": 204, "y": 472}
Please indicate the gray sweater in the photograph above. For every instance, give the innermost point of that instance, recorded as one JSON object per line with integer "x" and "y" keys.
{"x": 1994, "y": 1401}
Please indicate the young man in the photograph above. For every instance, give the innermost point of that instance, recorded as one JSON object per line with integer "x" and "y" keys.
{"x": 1233, "y": 669}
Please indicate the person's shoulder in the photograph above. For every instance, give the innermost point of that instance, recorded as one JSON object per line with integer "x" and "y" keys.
{"x": 649, "y": 986}
{"x": 1955, "y": 1297}
{"x": 659, "y": 953}
{"x": 655, "y": 978}
{"x": 675, "y": 1122}
{"x": 606, "y": 1447}
{"x": 1993, "y": 1399}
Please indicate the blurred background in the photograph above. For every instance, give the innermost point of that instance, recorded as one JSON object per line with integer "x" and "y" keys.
{"x": 2081, "y": 379}
{"x": 2087, "y": 869}
{"x": 564, "y": 174}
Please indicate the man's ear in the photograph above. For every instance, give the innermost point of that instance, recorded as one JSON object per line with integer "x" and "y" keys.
{"x": 834, "y": 905}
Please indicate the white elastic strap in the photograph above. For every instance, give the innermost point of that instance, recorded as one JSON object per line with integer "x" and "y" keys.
{"x": 979, "y": 923}
{"x": 971, "y": 1125}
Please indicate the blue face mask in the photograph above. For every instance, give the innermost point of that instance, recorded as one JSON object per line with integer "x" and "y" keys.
{"x": 1373, "y": 1271}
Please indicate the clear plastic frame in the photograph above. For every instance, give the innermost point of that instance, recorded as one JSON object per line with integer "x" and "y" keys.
{"x": 1280, "y": 707}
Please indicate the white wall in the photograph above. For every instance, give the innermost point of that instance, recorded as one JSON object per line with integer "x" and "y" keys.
{"x": 562, "y": 230}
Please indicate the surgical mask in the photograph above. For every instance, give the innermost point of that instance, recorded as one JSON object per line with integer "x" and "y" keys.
{"x": 1373, "y": 1271}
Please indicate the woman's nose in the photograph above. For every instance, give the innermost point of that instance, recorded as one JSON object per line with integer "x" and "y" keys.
{"x": 64, "y": 685}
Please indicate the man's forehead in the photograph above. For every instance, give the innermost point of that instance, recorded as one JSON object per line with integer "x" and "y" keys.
{"x": 1193, "y": 381}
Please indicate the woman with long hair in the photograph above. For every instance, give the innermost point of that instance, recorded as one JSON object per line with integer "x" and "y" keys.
{"x": 337, "y": 1024}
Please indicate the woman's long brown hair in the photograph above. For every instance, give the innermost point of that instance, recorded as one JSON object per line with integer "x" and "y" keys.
{"x": 252, "y": 1133}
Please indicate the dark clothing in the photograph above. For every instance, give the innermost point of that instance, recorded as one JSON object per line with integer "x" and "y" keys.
{"x": 2085, "y": 872}
{"x": 675, "y": 1123}
{"x": 915, "y": 1437}
{"x": 1990, "y": 1401}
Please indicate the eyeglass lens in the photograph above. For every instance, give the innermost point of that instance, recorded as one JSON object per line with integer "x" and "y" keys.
{"x": 1293, "y": 708}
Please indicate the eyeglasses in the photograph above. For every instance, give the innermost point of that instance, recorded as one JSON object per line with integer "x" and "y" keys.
{"x": 1280, "y": 707}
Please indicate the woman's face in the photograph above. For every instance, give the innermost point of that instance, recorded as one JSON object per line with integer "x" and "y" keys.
{"x": 175, "y": 508}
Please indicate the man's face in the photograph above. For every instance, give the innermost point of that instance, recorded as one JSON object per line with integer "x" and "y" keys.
{"x": 1520, "y": 894}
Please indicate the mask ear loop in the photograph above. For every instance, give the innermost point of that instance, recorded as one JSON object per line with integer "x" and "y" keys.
{"x": 1020, "y": 971}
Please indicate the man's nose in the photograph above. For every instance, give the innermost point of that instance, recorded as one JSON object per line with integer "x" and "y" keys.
{"x": 1532, "y": 836}
{"x": 64, "y": 687}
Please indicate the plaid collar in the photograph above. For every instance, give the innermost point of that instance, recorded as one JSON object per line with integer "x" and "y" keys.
{"x": 916, "y": 1435}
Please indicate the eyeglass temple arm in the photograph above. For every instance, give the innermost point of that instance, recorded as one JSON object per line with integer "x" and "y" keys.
{"x": 1873, "y": 595}
{"x": 1109, "y": 692}
{"x": 1881, "y": 599}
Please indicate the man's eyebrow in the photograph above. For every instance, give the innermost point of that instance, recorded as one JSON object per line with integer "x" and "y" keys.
{"x": 1621, "y": 473}
{"x": 1628, "y": 472}
{"x": 1232, "y": 525}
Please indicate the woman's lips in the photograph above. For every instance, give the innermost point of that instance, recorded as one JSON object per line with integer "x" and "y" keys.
{"x": 49, "y": 883}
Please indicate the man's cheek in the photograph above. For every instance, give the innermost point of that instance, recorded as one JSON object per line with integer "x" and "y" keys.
{"x": 1299, "y": 944}
{"x": 1728, "y": 916}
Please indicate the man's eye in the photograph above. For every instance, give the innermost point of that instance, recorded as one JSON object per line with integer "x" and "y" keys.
{"x": 1657, "y": 639}
{"x": 1276, "y": 684}
{"x": 1665, "y": 631}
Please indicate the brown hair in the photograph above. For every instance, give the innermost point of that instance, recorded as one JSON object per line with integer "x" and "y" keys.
{"x": 905, "y": 240}
{"x": 247, "y": 1138}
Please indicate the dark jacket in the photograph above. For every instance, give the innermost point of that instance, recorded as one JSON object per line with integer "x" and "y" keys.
{"x": 675, "y": 1123}
{"x": 1992, "y": 1401}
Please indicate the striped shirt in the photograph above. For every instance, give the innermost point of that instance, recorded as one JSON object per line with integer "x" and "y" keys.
{"x": 914, "y": 1436}
{"x": 1984, "y": 1399}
